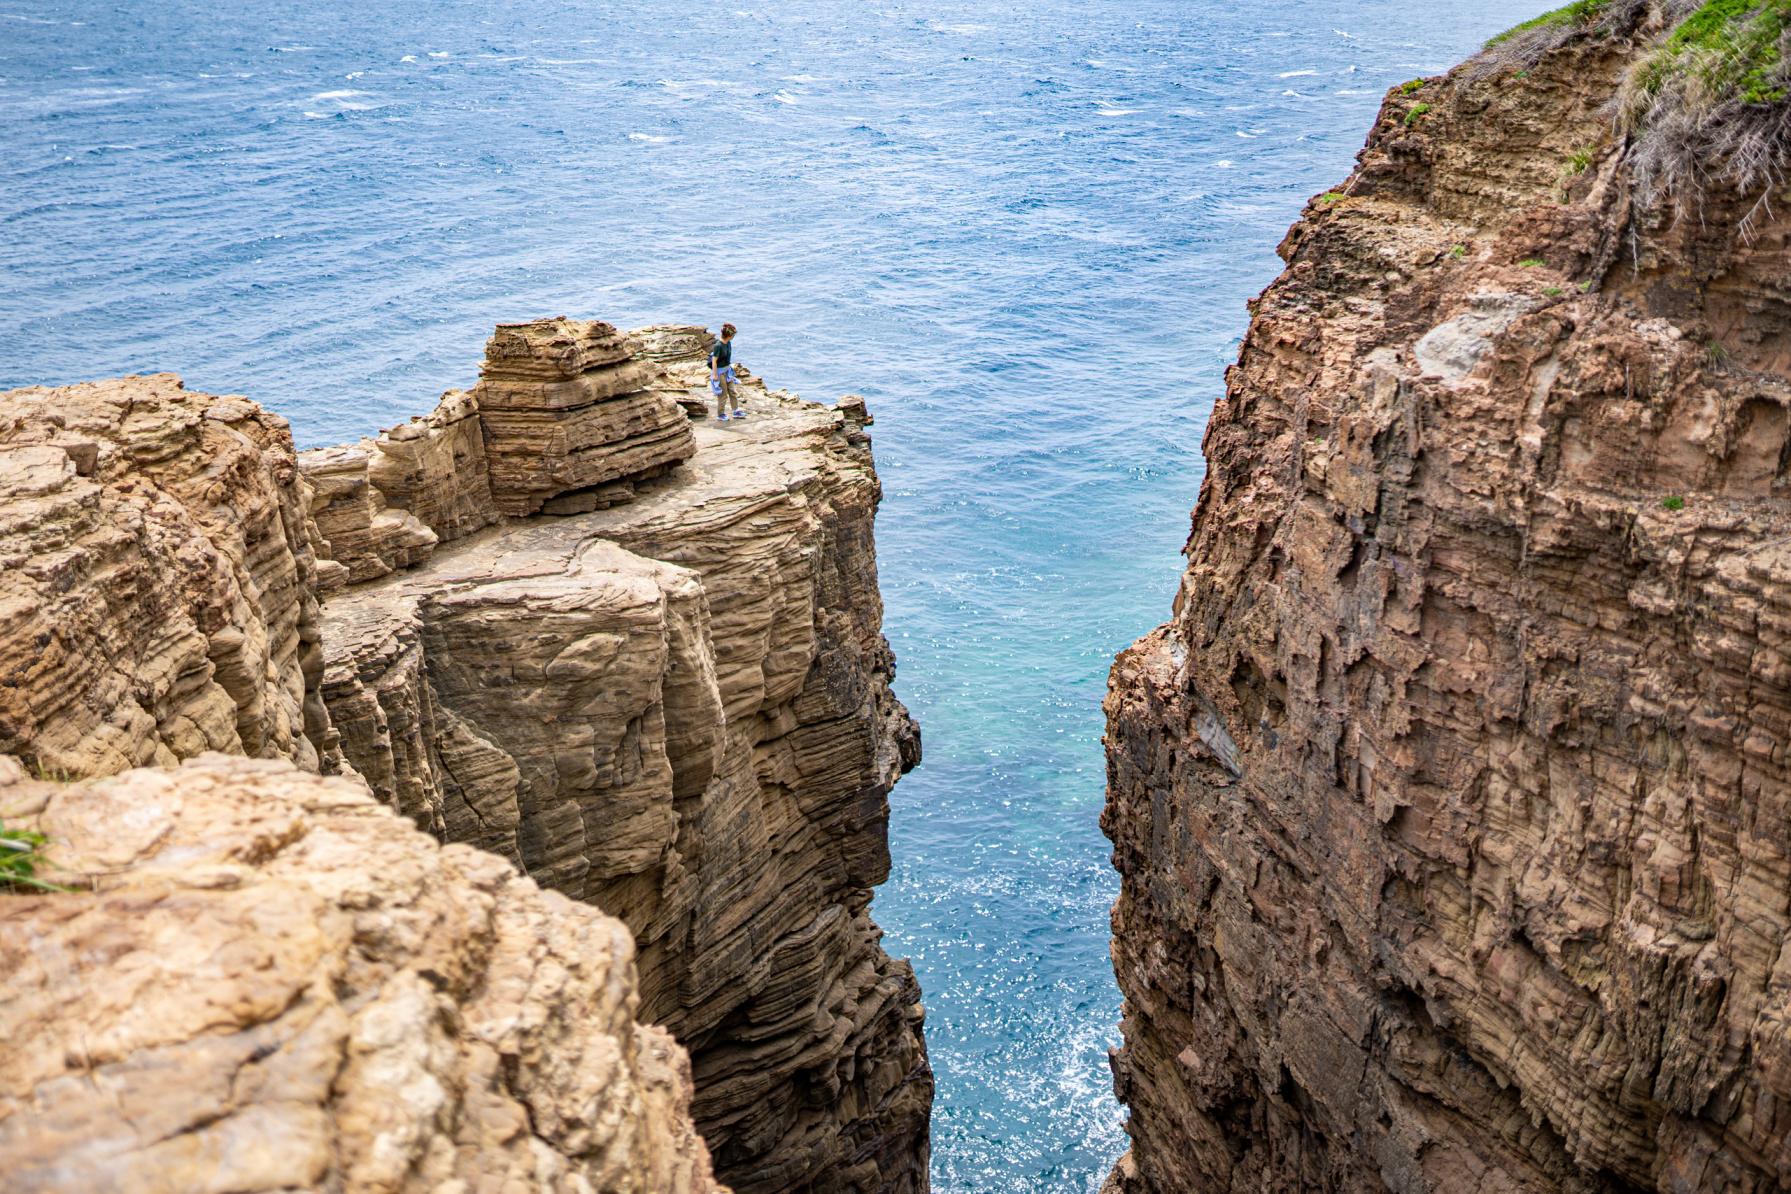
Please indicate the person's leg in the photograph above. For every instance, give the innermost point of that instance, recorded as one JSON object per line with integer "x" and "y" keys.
{"x": 719, "y": 384}
{"x": 728, "y": 397}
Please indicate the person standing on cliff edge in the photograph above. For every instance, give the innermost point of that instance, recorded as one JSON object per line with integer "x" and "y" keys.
{"x": 721, "y": 375}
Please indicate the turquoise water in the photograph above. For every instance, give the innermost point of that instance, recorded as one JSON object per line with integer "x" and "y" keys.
{"x": 1024, "y": 231}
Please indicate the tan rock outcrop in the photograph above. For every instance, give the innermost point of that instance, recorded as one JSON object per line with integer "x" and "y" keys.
{"x": 566, "y": 406}
{"x": 264, "y": 981}
{"x": 672, "y": 702}
{"x": 1451, "y": 805}
{"x": 156, "y": 580}
{"x": 680, "y": 707}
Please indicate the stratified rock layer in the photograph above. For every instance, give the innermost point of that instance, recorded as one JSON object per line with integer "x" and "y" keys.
{"x": 281, "y": 986}
{"x": 667, "y": 696}
{"x": 677, "y": 707}
{"x": 565, "y": 406}
{"x": 156, "y": 580}
{"x": 1452, "y": 806}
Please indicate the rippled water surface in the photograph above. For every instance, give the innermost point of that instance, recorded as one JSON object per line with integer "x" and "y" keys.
{"x": 1024, "y": 231}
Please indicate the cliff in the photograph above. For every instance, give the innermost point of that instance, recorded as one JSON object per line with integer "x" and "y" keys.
{"x": 271, "y": 983}
{"x": 1451, "y": 805}
{"x": 641, "y": 663}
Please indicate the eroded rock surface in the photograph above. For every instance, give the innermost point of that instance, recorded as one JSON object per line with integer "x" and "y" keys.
{"x": 1452, "y": 805}
{"x": 677, "y": 707}
{"x": 156, "y": 580}
{"x": 267, "y": 982}
{"x": 640, "y": 662}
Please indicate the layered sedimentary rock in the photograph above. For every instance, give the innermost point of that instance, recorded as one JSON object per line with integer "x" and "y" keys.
{"x": 677, "y": 707}
{"x": 566, "y": 406}
{"x": 671, "y": 703}
{"x": 1452, "y": 805}
{"x": 156, "y": 580}
{"x": 279, "y": 985}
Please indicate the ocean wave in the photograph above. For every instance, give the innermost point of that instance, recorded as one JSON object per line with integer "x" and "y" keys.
{"x": 1295, "y": 74}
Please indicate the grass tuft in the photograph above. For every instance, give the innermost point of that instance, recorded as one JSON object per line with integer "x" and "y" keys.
{"x": 1531, "y": 263}
{"x": 1329, "y": 198}
{"x": 1411, "y": 85}
{"x": 1553, "y": 291}
{"x": 1709, "y": 105}
{"x": 1457, "y": 252}
{"x": 20, "y": 852}
{"x": 1417, "y": 113}
{"x": 1672, "y": 502}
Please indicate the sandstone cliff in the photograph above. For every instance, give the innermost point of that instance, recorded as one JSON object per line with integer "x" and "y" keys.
{"x": 641, "y": 663}
{"x": 1452, "y": 804}
{"x": 274, "y": 984}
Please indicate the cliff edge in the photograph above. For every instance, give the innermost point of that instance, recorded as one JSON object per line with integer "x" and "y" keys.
{"x": 639, "y": 662}
{"x": 1451, "y": 805}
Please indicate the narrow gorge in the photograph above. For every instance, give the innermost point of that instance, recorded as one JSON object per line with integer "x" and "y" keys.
{"x": 1452, "y": 806}
{"x": 629, "y": 676}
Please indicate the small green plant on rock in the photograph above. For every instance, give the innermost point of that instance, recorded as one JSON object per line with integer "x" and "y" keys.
{"x": 1418, "y": 112}
{"x": 1553, "y": 291}
{"x": 1458, "y": 251}
{"x": 1411, "y": 85}
{"x": 20, "y": 852}
{"x": 1586, "y": 286}
{"x": 1330, "y": 198}
{"x": 1672, "y": 502}
{"x": 1579, "y": 161}
{"x": 1531, "y": 263}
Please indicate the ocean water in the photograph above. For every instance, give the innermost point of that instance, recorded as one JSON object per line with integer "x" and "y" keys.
{"x": 1024, "y": 231}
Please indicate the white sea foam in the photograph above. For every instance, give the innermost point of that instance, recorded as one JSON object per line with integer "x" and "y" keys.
{"x": 1224, "y": 164}
{"x": 335, "y": 95}
{"x": 408, "y": 58}
{"x": 784, "y": 97}
{"x": 1355, "y": 92}
{"x": 1248, "y": 136}
{"x": 1295, "y": 74}
{"x": 649, "y": 138}
{"x": 438, "y": 53}
{"x": 1117, "y": 111}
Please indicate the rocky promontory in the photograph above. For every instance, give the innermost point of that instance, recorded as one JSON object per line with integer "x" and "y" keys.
{"x": 634, "y": 662}
{"x": 1451, "y": 806}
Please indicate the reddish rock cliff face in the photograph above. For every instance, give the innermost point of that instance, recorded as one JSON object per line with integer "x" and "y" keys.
{"x": 1452, "y": 805}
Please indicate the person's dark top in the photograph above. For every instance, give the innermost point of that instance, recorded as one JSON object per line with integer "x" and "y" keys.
{"x": 723, "y": 354}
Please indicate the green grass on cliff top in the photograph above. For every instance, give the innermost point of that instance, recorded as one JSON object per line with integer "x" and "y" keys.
{"x": 1580, "y": 12}
{"x": 1733, "y": 47}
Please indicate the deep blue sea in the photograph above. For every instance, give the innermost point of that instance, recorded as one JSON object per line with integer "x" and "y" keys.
{"x": 1025, "y": 231}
